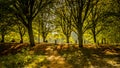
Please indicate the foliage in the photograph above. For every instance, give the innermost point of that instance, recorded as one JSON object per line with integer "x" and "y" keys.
{"x": 23, "y": 59}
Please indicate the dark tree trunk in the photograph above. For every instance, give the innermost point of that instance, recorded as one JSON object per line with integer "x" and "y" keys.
{"x": 94, "y": 34}
{"x": 38, "y": 37}
{"x": 80, "y": 40}
{"x": 44, "y": 35}
{"x": 67, "y": 39}
{"x": 80, "y": 25}
{"x": 3, "y": 38}
{"x": 44, "y": 39}
{"x": 30, "y": 33}
{"x": 21, "y": 39}
{"x": 103, "y": 41}
{"x": 39, "y": 32}
{"x": 80, "y": 36}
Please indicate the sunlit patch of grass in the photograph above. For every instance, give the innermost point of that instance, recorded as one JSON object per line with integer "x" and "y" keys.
{"x": 36, "y": 62}
{"x": 57, "y": 62}
{"x": 44, "y": 66}
{"x": 111, "y": 62}
{"x": 94, "y": 46}
{"x": 110, "y": 52}
{"x": 31, "y": 52}
{"x": 39, "y": 49}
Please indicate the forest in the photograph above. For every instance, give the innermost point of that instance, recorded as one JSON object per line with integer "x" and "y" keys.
{"x": 59, "y": 33}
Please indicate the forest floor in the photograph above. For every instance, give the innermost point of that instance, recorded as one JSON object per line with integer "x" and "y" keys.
{"x": 49, "y": 55}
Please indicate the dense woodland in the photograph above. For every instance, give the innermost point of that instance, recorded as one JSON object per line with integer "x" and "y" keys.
{"x": 79, "y": 33}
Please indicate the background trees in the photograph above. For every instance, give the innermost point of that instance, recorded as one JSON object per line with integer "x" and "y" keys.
{"x": 21, "y": 30}
{"x": 96, "y": 16}
{"x": 5, "y": 28}
{"x": 5, "y": 19}
{"x": 46, "y": 26}
{"x": 64, "y": 20}
{"x": 111, "y": 19}
{"x": 26, "y": 11}
{"x": 79, "y": 10}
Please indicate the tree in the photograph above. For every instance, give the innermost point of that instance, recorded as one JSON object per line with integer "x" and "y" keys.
{"x": 46, "y": 26}
{"x": 112, "y": 32}
{"x": 5, "y": 19}
{"x": 80, "y": 11}
{"x": 96, "y": 19}
{"x": 26, "y": 11}
{"x": 64, "y": 20}
{"x": 44, "y": 23}
{"x": 112, "y": 16}
{"x": 21, "y": 30}
{"x": 5, "y": 27}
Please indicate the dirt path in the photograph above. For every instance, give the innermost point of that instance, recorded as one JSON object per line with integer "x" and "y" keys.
{"x": 55, "y": 60}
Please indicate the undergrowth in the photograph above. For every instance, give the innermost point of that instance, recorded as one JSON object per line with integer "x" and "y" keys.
{"x": 21, "y": 60}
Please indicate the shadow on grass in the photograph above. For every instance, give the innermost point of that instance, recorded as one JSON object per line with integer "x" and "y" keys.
{"x": 92, "y": 58}
{"x": 12, "y": 48}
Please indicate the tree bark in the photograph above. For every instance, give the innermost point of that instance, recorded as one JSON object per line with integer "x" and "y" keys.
{"x": 30, "y": 33}
{"x": 80, "y": 39}
{"x": 80, "y": 36}
{"x": 21, "y": 39}
{"x": 67, "y": 39}
{"x": 44, "y": 35}
{"x": 39, "y": 32}
{"x": 38, "y": 37}
{"x": 44, "y": 39}
{"x": 3, "y": 38}
{"x": 94, "y": 34}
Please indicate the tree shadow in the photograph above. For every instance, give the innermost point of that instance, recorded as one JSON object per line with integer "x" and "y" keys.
{"x": 99, "y": 59}
{"x": 12, "y": 48}
{"x": 92, "y": 58}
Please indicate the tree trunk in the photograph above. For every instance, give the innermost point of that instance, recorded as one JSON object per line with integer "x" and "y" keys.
{"x": 3, "y": 38}
{"x": 80, "y": 36}
{"x": 67, "y": 39}
{"x": 44, "y": 35}
{"x": 94, "y": 31}
{"x": 94, "y": 36}
{"x": 38, "y": 37}
{"x": 39, "y": 32}
{"x": 30, "y": 33}
{"x": 80, "y": 39}
{"x": 21, "y": 39}
{"x": 103, "y": 41}
{"x": 44, "y": 39}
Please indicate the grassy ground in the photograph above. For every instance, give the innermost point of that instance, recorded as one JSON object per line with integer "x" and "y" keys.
{"x": 48, "y": 55}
